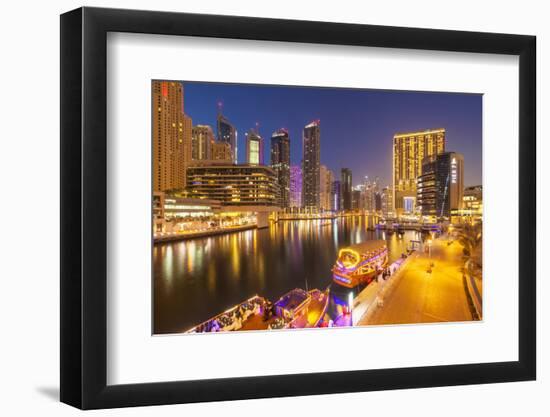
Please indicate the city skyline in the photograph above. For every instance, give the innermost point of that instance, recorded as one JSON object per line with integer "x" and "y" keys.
{"x": 306, "y": 236}
{"x": 348, "y": 118}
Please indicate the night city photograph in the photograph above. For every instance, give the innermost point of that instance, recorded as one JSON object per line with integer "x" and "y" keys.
{"x": 296, "y": 207}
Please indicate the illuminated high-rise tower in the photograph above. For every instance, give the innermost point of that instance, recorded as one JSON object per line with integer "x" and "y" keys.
{"x": 280, "y": 162}
{"x": 254, "y": 147}
{"x": 201, "y": 142}
{"x": 171, "y": 136}
{"x": 311, "y": 157}
{"x": 409, "y": 150}
{"x": 346, "y": 181}
{"x": 227, "y": 132}
{"x": 325, "y": 188}
{"x": 440, "y": 188}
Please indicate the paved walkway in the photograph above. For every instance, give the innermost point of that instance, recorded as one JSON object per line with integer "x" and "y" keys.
{"x": 421, "y": 297}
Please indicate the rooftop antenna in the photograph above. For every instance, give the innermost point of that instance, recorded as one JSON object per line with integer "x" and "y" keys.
{"x": 258, "y": 128}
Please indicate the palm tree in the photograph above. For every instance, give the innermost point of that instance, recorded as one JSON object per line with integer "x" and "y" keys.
{"x": 470, "y": 237}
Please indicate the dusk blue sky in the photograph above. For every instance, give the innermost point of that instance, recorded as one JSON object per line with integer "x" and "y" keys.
{"x": 357, "y": 126}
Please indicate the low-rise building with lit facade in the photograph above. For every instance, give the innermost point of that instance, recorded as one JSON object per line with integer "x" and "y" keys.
{"x": 233, "y": 185}
{"x": 472, "y": 206}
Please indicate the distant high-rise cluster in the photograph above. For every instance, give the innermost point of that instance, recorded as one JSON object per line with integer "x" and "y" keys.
{"x": 386, "y": 202}
{"x": 372, "y": 195}
{"x": 409, "y": 150}
{"x": 171, "y": 136}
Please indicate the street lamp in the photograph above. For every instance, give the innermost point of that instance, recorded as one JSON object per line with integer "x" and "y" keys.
{"x": 430, "y": 248}
{"x": 350, "y": 302}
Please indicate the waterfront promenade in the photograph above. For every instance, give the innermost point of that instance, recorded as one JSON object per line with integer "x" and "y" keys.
{"x": 173, "y": 237}
{"x": 414, "y": 295}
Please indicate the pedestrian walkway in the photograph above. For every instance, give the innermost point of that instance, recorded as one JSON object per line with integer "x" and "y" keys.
{"x": 418, "y": 296}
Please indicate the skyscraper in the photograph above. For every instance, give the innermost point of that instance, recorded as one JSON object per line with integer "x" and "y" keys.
{"x": 227, "y": 132}
{"x": 325, "y": 188}
{"x": 254, "y": 148}
{"x": 409, "y": 150}
{"x": 440, "y": 188}
{"x": 311, "y": 154}
{"x": 346, "y": 179}
{"x": 295, "y": 186}
{"x": 171, "y": 136}
{"x": 221, "y": 151}
{"x": 336, "y": 204}
{"x": 280, "y": 162}
{"x": 201, "y": 142}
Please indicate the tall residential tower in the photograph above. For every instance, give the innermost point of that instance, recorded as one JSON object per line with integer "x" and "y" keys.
{"x": 227, "y": 132}
{"x": 254, "y": 148}
{"x": 311, "y": 154}
{"x": 171, "y": 136}
{"x": 280, "y": 163}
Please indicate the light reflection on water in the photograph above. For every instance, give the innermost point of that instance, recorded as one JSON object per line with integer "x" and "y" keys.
{"x": 197, "y": 279}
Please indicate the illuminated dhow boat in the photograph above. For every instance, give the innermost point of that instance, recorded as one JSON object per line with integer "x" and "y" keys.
{"x": 299, "y": 308}
{"x": 360, "y": 264}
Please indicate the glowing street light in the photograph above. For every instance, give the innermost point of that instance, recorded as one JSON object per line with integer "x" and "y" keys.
{"x": 350, "y": 302}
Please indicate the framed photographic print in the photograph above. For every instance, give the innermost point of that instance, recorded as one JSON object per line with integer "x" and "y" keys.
{"x": 257, "y": 208}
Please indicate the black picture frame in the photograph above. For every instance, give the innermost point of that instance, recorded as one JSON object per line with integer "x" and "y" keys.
{"x": 84, "y": 207}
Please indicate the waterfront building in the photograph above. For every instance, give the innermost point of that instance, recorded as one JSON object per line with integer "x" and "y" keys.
{"x": 409, "y": 150}
{"x": 295, "y": 186}
{"x": 254, "y": 148}
{"x": 173, "y": 206}
{"x": 386, "y": 197}
{"x": 172, "y": 130}
{"x": 280, "y": 163}
{"x": 233, "y": 185}
{"x": 440, "y": 188}
{"x": 202, "y": 139}
{"x": 325, "y": 188}
{"x": 336, "y": 204}
{"x": 311, "y": 154}
{"x": 221, "y": 151}
{"x": 227, "y": 133}
{"x": 473, "y": 199}
{"x": 472, "y": 206}
{"x": 346, "y": 178}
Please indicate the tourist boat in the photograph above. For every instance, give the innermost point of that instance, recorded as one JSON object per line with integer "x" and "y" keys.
{"x": 295, "y": 309}
{"x": 360, "y": 264}
{"x": 301, "y": 309}
{"x": 248, "y": 315}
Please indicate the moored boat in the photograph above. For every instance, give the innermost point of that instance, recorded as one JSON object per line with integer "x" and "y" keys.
{"x": 295, "y": 309}
{"x": 359, "y": 264}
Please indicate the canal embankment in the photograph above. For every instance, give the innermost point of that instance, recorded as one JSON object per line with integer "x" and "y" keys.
{"x": 202, "y": 233}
